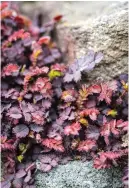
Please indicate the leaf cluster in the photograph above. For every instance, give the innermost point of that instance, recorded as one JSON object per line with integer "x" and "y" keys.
{"x": 46, "y": 113}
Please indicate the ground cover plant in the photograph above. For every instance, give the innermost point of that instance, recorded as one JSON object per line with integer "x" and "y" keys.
{"x": 47, "y": 112}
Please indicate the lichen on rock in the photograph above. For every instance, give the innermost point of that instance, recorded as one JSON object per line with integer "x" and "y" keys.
{"x": 78, "y": 174}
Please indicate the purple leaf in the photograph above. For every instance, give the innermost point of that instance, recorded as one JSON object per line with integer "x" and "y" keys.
{"x": 20, "y": 173}
{"x": 77, "y": 76}
{"x": 90, "y": 104}
{"x": 46, "y": 104}
{"x": 27, "y": 42}
{"x": 15, "y": 113}
{"x": 5, "y": 107}
{"x": 98, "y": 57}
{"x": 37, "y": 97}
{"x": 68, "y": 77}
{"x": 45, "y": 167}
{"x": 6, "y": 184}
{"x": 72, "y": 116}
{"x": 28, "y": 96}
{"x": 49, "y": 59}
{"x": 65, "y": 160}
{"x": 54, "y": 163}
{"x": 45, "y": 159}
{"x": 21, "y": 130}
{"x": 58, "y": 92}
{"x": 31, "y": 167}
{"x": 27, "y": 117}
{"x": 92, "y": 132}
{"x": 83, "y": 64}
{"x": 36, "y": 128}
{"x": 28, "y": 177}
{"x": 17, "y": 183}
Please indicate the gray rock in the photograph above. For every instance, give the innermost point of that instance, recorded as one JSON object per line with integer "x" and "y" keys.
{"x": 79, "y": 175}
{"x": 73, "y": 11}
{"x": 108, "y": 34}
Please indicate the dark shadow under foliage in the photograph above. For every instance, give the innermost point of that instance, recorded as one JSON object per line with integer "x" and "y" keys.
{"x": 47, "y": 114}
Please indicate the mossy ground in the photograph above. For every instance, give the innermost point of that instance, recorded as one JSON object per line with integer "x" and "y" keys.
{"x": 79, "y": 175}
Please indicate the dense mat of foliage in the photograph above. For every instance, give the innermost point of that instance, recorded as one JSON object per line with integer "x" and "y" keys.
{"x": 47, "y": 114}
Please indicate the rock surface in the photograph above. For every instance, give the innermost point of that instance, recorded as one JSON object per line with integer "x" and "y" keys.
{"x": 79, "y": 175}
{"x": 108, "y": 34}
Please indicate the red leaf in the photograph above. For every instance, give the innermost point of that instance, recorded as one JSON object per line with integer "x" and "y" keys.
{"x": 101, "y": 163}
{"x": 58, "y": 18}
{"x": 6, "y": 144}
{"x": 91, "y": 112}
{"x": 105, "y": 94}
{"x": 108, "y": 128}
{"x": 122, "y": 124}
{"x": 53, "y": 144}
{"x": 69, "y": 95}
{"x": 72, "y": 129}
{"x": 21, "y": 34}
{"x": 44, "y": 40}
{"x": 112, "y": 154}
{"x": 37, "y": 117}
{"x": 107, "y": 90}
{"x": 58, "y": 67}
{"x": 95, "y": 88}
{"x": 86, "y": 145}
{"x": 10, "y": 69}
{"x": 3, "y": 5}
{"x": 42, "y": 85}
{"x": 105, "y": 158}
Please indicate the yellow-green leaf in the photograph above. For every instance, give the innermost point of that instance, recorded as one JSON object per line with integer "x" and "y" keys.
{"x": 83, "y": 121}
{"x": 54, "y": 73}
{"x": 20, "y": 158}
{"x": 22, "y": 146}
{"x": 112, "y": 113}
{"x": 23, "y": 68}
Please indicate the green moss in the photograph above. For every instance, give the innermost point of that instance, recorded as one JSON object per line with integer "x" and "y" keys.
{"x": 79, "y": 175}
